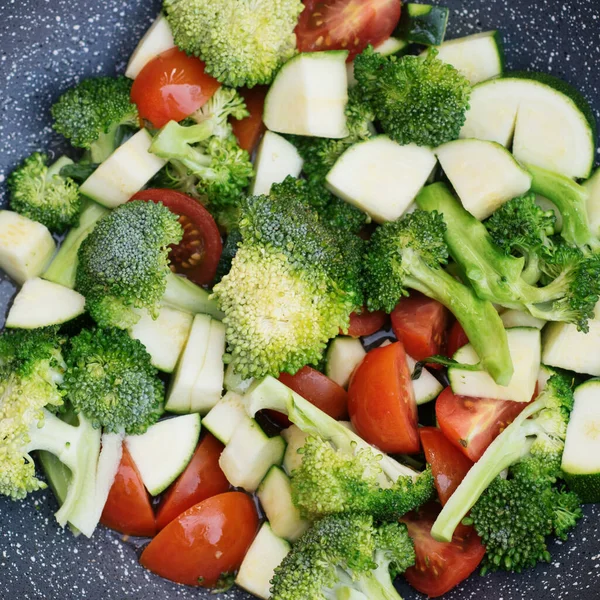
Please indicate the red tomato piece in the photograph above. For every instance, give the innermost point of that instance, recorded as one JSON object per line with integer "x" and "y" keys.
{"x": 448, "y": 464}
{"x": 205, "y": 542}
{"x": 440, "y": 566}
{"x": 201, "y": 479}
{"x": 457, "y": 338}
{"x": 249, "y": 130}
{"x": 197, "y": 255}
{"x": 171, "y": 87}
{"x": 366, "y": 323}
{"x": 346, "y": 24}
{"x": 381, "y": 401}
{"x": 472, "y": 424}
{"x": 128, "y": 509}
{"x": 420, "y": 323}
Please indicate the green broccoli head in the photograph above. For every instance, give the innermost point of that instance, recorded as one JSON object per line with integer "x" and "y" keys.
{"x": 341, "y": 554}
{"x": 31, "y": 370}
{"x": 421, "y": 101}
{"x": 42, "y": 194}
{"x": 293, "y": 283}
{"x": 243, "y": 43}
{"x": 123, "y": 263}
{"x": 91, "y": 113}
{"x": 110, "y": 380}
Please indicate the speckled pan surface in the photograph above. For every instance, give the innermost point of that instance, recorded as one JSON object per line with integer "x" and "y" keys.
{"x": 47, "y": 45}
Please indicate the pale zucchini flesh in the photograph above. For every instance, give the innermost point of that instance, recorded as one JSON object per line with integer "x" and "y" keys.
{"x": 426, "y": 388}
{"x": 566, "y": 348}
{"x": 295, "y": 439}
{"x": 343, "y": 356}
{"x": 156, "y": 40}
{"x": 225, "y": 416}
{"x": 518, "y": 318}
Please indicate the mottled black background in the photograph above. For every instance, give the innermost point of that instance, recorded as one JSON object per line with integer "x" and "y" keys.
{"x": 46, "y": 46}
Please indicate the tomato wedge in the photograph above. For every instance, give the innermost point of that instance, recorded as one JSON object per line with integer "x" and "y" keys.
{"x": 205, "y": 543}
{"x": 366, "y": 323}
{"x": 381, "y": 401}
{"x": 197, "y": 255}
{"x": 128, "y": 509}
{"x": 457, "y": 338}
{"x": 440, "y": 566}
{"x": 420, "y": 323}
{"x": 171, "y": 87}
{"x": 201, "y": 479}
{"x": 248, "y": 131}
{"x": 472, "y": 424}
{"x": 448, "y": 464}
{"x": 346, "y": 24}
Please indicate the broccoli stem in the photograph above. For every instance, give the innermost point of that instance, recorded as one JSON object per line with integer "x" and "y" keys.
{"x": 508, "y": 448}
{"x": 478, "y": 318}
{"x": 570, "y": 198}
{"x": 378, "y": 585}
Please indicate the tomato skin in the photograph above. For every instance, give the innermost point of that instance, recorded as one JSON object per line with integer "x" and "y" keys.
{"x": 457, "y": 338}
{"x": 420, "y": 323}
{"x": 171, "y": 87}
{"x": 366, "y": 323}
{"x": 128, "y": 509}
{"x": 440, "y": 566}
{"x": 206, "y": 243}
{"x": 381, "y": 401}
{"x": 207, "y": 540}
{"x": 472, "y": 424}
{"x": 346, "y": 24}
{"x": 448, "y": 464}
{"x": 201, "y": 479}
{"x": 248, "y": 131}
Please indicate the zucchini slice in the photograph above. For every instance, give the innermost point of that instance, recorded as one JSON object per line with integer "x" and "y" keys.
{"x": 343, "y": 356}
{"x": 423, "y": 23}
{"x": 566, "y": 348}
{"x": 225, "y": 416}
{"x": 156, "y": 40}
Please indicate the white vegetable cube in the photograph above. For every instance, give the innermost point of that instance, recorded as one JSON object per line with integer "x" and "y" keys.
{"x": 225, "y": 416}
{"x": 567, "y": 348}
{"x": 156, "y": 40}
{"x": 26, "y": 247}
{"x": 381, "y": 177}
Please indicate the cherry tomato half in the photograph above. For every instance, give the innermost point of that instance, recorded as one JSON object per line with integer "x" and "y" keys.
{"x": 201, "y": 479}
{"x": 204, "y": 543}
{"x": 366, "y": 323}
{"x": 171, "y": 87}
{"x": 440, "y": 566}
{"x": 128, "y": 509}
{"x": 457, "y": 338}
{"x": 197, "y": 255}
{"x": 249, "y": 130}
{"x": 381, "y": 401}
{"x": 346, "y": 24}
{"x": 448, "y": 464}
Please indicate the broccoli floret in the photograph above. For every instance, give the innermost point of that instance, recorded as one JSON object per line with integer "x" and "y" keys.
{"x": 242, "y": 42}
{"x": 344, "y": 556}
{"x": 110, "y": 380}
{"x": 410, "y": 254}
{"x": 330, "y": 481}
{"x": 123, "y": 263}
{"x": 292, "y": 285}
{"x": 230, "y": 248}
{"x": 521, "y": 228}
{"x": 224, "y": 103}
{"x": 535, "y": 439}
{"x": 92, "y": 113}
{"x": 40, "y": 193}
{"x": 571, "y": 296}
{"x": 423, "y": 101}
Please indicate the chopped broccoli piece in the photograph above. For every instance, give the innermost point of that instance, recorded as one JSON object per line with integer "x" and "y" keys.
{"x": 410, "y": 254}
{"x": 421, "y": 101}
{"x": 110, "y": 380}
{"x": 92, "y": 113}
{"x": 42, "y": 194}
{"x": 292, "y": 285}
{"x": 230, "y": 248}
{"x": 224, "y": 103}
{"x": 123, "y": 262}
{"x": 571, "y": 296}
{"x": 242, "y": 42}
{"x": 536, "y": 440}
{"x": 342, "y": 554}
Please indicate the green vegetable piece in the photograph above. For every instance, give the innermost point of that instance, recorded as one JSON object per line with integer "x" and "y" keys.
{"x": 423, "y": 24}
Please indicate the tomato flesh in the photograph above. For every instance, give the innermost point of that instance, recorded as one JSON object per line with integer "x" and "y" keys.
{"x": 381, "y": 401}
{"x": 346, "y": 24}
{"x": 448, "y": 464}
{"x": 472, "y": 424}
{"x": 248, "y": 131}
{"x": 366, "y": 323}
{"x": 171, "y": 87}
{"x": 204, "y": 543}
{"x": 201, "y": 479}
{"x": 440, "y": 566}
{"x": 197, "y": 255}
{"x": 420, "y": 323}
{"x": 128, "y": 509}
{"x": 457, "y": 338}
